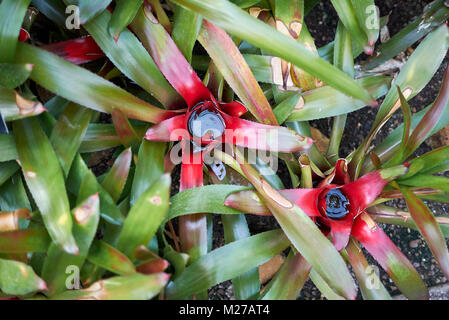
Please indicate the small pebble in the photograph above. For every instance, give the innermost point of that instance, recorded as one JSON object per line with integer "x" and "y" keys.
{"x": 414, "y": 243}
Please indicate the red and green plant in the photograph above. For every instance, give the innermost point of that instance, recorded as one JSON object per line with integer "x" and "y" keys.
{"x": 126, "y": 88}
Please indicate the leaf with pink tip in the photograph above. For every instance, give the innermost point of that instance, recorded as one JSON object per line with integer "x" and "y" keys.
{"x": 124, "y": 129}
{"x": 17, "y": 278}
{"x": 14, "y": 106}
{"x": 173, "y": 129}
{"x": 115, "y": 179}
{"x": 153, "y": 266}
{"x": 388, "y": 255}
{"x": 428, "y": 226}
{"x": 168, "y": 58}
{"x": 86, "y": 217}
{"x": 369, "y": 282}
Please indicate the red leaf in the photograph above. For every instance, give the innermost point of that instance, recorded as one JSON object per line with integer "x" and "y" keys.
{"x": 169, "y": 58}
{"x": 77, "y": 51}
{"x": 363, "y": 191}
{"x": 173, "y": 129}
{"x": 24, "y": 35}
{"x": 234, "y": 108}
{"x": 263, "y": 137}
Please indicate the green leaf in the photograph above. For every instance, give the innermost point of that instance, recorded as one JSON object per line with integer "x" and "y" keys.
{"x": 401, "y": 155}
{"x": 12, "y": 13}
{"x": 17, "y": 278}
{"x": 130, "y": 287}
{"x": 326, "y": 101}
{"x": 208, "y": 199}
{"x": 149, "y": 167}
{"x": 240, "y": 24}
{"x": 289, "y": 280}
{"x": 13, "y": 195}
{"x": 236, "y": 228}
{"x": 344, "y": 60}
{"x": 431, "y": 162}
{"x": 52, "y": 9}
{"x": 368, "y": 17}
{"x": 45, "y": 181}
{"x": 387, "y": 148}
{"x": 131, "y": 58}
{"x": 186, "y": 26}
{"x": 115, "y": 179}
{"x": 427, "y": 181}
{"x": 13, "y": 75}
{"x": 389, "y": 215}
{"x": 90, "y": 9}
{"x": 7, "y": 169}
{"x": 68, "y": 133}
{"x": 13, "y": 106}
{"x": 284, "y": 109}
{"x": 58, "y": 263}
{"x": 226, "y": 263}
{"x": 109, "y": 258}
{"x": 8, "y": 147}
{"x": 124, "y": 13}
{"x": 83, "y": 87}
{"x": 108, "y": 209}
{"x": 348, "y": 15}
{"x": 145, "y": 216}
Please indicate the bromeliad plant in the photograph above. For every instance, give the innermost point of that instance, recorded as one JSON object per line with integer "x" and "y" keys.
{"x": 138, "y": 61}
